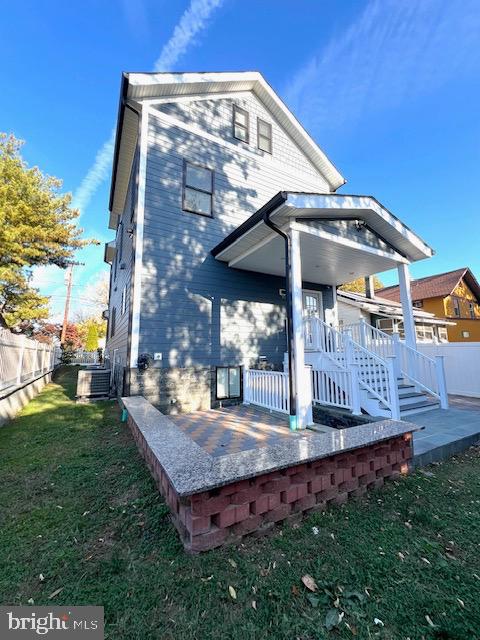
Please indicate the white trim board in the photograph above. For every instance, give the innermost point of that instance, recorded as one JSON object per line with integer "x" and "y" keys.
{"x": 139, "y": 229}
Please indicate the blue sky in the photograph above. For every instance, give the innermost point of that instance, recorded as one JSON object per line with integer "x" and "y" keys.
{"x": 388, "y": 88}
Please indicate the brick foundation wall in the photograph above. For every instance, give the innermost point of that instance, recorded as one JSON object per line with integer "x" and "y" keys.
{"x": 210, "y": 519}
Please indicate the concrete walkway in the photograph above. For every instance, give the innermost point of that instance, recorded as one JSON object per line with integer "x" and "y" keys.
{"x": 446, "y": 432}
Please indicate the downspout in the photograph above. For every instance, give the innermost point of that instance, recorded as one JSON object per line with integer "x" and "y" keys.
{"x": 288, "y": 291}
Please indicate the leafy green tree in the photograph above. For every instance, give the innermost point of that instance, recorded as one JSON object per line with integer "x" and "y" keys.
{"x": 91, "y": 343}
{"x": 37, "y": 227}
{"x": 19, "y": 303}
{"x": 358, "y": 285}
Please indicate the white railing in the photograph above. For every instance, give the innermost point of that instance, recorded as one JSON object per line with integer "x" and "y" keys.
{"x": 320, "y": 336}
{"x": 367, "y": 369}
{"x": 23, "y": 359}
{"x": 267, "y": 389}
{"x": 371, "y": 338}
{"x": 375, "y": 375}
{"x": 424, "y": 372}
{"x": 332, "y": 387}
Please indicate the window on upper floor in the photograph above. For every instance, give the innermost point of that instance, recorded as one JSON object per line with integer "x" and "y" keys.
{"x": 120, "y": 242}
{"x": 264, "y": 136}
{"x": 113, "y": 319}
{"x": 124, "y": 300}
{"x": 471, "y": 310}
{"x": 197, "y": 189}
{"x": 240, "y": 124}
{"x": 456, "y": 307}
{"x": 418, "y": 304}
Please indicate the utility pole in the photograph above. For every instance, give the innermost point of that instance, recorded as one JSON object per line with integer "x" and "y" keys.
{"x": 67, "y": 300}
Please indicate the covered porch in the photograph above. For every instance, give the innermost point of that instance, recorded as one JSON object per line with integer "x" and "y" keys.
{"x": 330, "y": 239}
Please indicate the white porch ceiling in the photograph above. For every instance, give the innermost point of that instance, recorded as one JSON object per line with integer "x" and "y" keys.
{"x": 323, "y": 262}
{"x": 327, "y": 258}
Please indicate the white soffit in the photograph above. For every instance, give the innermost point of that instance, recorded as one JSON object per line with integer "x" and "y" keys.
{"x": 301, "y": 207}
{"x": 126, "y": 155}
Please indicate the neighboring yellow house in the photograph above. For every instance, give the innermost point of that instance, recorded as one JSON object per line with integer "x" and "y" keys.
{"x": 454, "y": 295}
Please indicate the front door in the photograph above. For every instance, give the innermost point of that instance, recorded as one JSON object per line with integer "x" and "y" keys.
{"x": 312, "y": 304}
{"x": 312, "y": 308}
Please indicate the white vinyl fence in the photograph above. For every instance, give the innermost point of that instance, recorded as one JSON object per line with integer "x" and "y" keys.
{"x": 462, "y": 365}
{"x": 23, "y": 359}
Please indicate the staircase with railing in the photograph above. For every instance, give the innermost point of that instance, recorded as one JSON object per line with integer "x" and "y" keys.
{"x": 385, "y": 376}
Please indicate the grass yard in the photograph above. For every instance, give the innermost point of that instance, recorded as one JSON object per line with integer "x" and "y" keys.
{"x": 82, "y": 523}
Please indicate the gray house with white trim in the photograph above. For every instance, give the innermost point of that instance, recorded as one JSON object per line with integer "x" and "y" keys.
{"x": 230, "y": 243}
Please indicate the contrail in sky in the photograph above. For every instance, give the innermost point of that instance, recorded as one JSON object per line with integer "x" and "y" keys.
{"x": 192, "y": 22}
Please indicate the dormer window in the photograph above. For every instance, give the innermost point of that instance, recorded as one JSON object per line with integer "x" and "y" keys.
{"x": 264, "y": 136}
{"x": 240, "y": 124}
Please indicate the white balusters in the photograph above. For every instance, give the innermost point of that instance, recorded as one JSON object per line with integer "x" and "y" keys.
{"x": 267, "y": 389}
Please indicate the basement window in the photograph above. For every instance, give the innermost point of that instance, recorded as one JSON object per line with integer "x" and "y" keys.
{"x": 264, "y": 136}
{"x": 197, "y": 189}
{"x": 240, "y": 124}
{"x": 228, "y": 382}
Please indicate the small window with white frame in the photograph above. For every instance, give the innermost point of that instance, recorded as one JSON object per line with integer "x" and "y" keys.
{"x": 471, "y": 310}
{"x": 228, "y": 382}
{"x": 442, "y": 334}
{"x": 240, "y": 124}
{"x": 197, "y": 189}
{"x": 264, "y": 135}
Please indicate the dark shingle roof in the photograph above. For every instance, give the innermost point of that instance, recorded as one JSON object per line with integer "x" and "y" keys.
{"x": 439, "y": 285}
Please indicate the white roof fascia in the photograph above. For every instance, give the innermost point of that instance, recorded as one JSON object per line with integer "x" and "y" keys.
{"x": 217, "y": 83}
{"x": 362, "y": 203}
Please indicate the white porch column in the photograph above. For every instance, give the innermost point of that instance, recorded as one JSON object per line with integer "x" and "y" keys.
{"x": 407, "y": 308}
{"x": 303, "y": 394}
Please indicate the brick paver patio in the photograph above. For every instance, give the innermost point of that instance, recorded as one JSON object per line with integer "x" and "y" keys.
{"x": 231, "y": 430}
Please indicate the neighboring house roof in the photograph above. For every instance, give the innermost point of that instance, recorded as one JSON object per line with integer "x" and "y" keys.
{"x": 439, "y": 285}
{"x": 137, "y": 87}
{"x": 387, "y": 308}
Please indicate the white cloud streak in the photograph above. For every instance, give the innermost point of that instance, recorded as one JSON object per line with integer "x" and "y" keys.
{"x": 97, "y": 173}
{"x": 185, "y": 35}
{"x": 192, "y": 22}
{"x": 394, "y": 52}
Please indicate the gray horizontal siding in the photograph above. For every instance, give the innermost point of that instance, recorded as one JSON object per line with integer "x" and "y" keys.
{"x": 121, "y": 278}
{"x": 195, "y": 310}
{"x": 215, "y": 117}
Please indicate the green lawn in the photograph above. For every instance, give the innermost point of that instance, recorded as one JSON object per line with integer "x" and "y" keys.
{"x": 80, "y": 513}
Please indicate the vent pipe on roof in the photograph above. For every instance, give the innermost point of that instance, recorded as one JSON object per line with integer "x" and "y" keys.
{"x": 369, "y": 287}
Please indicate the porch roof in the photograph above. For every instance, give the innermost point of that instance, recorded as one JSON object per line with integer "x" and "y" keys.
{"x": 329, "y": 256}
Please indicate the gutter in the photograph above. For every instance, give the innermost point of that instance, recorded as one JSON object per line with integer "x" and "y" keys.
{"x": 288, "y": 291}
{"x": 280, "y": 198}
